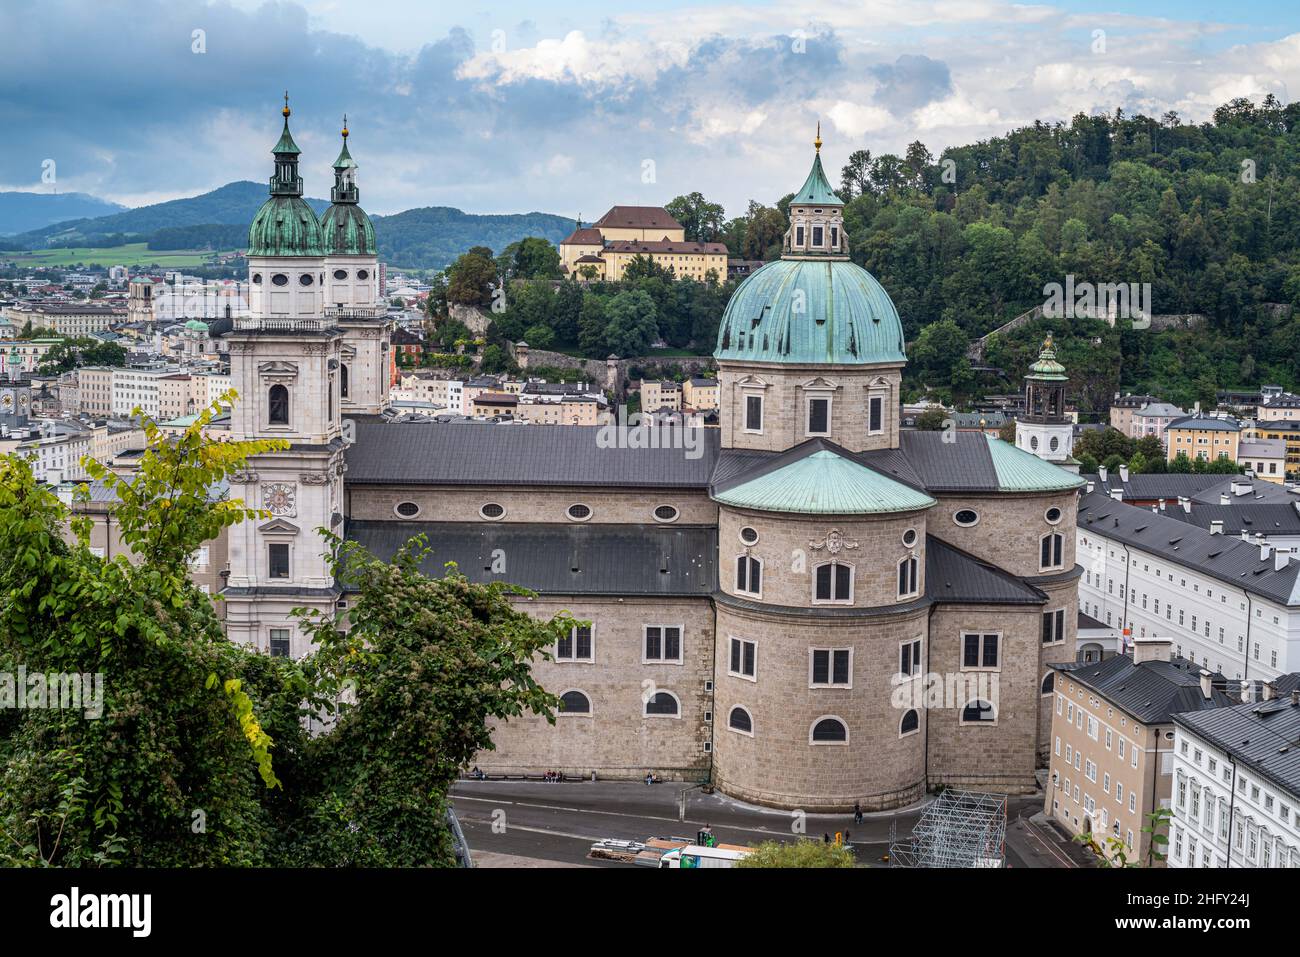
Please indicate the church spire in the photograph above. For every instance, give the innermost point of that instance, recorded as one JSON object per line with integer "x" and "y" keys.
{"x": 286, "y": 181}
{"x": 345, "y": 173}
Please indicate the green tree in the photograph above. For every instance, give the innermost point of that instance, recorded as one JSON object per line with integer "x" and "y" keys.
{"x": 701, "y": 220}
{"x": 471, "y": 278}
{"x": 802, "y": 853}
{"x": 631, "y": 323}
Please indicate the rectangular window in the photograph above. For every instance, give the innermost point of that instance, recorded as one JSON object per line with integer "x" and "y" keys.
{"x": 835, "y": 237}
{"x": 980, "y": 651}
{"x": 875, "y": 414}
{"x": 819, "y": 416}
{"x": 663, "y": 643}
{"x": 907, "y": 574}
{"x": 830, "y": 667}
{"x": 909, "y": 658}
{"x": 1051, "y": 553}
{"x": 1053, "y": 626}
{"x": 798, "y": 235}
{"x": 753, "y": 413}
{"x": 278, "y": 559}
{"x": 743, "y": 657}
{"x": 280, "y": 642}
{"x": 817, "y": 235}
{"x": 576, "y": 646}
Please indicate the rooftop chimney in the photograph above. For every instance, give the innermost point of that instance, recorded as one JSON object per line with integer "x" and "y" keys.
{"x": 1186, "y": 503}
{"x": 1092, "y": 485}
{"x": 1216, "y": 527}
{"x": 1295, "y": 696}
{"x": 1117, "y": 494}
{"x": 1224, "y": 499}
{"x": 1241, "y": 488}
{"x": 1123, "y": 473}
{"x": 1207, "y": 685}
{"x": 1264, "y": 549}
{"x": 1162, "y": 505}
{"x": 1268, "y": 691}
{"x": 1101, "y": 472}
{"x": 1245, "y": 535}
{"x": 1280, "y": 559}
{"x": 1152, "y": 649}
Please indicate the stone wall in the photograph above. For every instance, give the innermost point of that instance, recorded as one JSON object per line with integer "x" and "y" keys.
{"x": 1010, "y": 528}
{"x": 617, "y": 739}
{"x": 443, "y": 504}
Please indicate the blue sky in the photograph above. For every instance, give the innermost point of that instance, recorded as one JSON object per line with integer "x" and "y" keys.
{"x": 571, "y": 107}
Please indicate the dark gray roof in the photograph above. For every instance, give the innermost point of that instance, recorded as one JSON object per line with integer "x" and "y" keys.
{"x": 1260, "y": 491}
{"x": 1228, "y": 559}
{"x": 1266, "y": 519}
{"x": 952, "y": 575}
{"x": 1152, "y": 486}
{"x": 553, "y": 559}
{"x": 1262, "y": 735}
{"x": 1205, "y": 423}
{"x": 481, "y": 453}
{"x": 958, "y": 462}
{"x": 1152, "y": 691}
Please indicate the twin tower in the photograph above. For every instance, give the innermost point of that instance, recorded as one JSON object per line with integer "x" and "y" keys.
{"x": 314, "y": 347}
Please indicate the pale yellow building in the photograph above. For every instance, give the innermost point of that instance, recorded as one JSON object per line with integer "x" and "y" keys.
{"x": 701, "y": 394}
{"x": 660, "y": 395}
{"x": 604, "y": 249}
{"x": 95, "y": 390}
{"x": 1203, "y": 437}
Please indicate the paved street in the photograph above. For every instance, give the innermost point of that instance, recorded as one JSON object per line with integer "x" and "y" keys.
{"x": 540, "y": 824}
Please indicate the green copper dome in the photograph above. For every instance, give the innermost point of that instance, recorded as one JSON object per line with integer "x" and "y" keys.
{"x": 285, "y": 225}
{"x": 347, "y": 231}
{"x": 825, "y": 483}
{"x": 802, "y": 312}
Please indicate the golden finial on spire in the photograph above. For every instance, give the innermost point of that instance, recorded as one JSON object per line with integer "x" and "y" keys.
{"x": 345, "y": 126}
{"x": 285, "y": 111}
{"x": 1047, "y": 343}
{"x": 818, "y": 142}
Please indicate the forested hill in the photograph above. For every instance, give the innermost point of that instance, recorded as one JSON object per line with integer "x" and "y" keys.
{"x": 1208, "y": 214}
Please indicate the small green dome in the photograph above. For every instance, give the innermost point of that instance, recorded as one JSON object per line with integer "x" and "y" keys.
{"x": 810, "y": 312}
{"x": 285, "y": 226}
{"x": 347, "y": 231}
{"x": 196, "y": 325}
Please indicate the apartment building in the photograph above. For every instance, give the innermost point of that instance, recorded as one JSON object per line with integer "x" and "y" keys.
{"x": 95, "y": 390}
{"x": 1236, "y": 783}
{"x": 701, "y": 394}
{"x": 660, "y": 395}
{"x": 1228, "y": 604}
{"x": 1280, "y": 406}
{"x": 1265, "y": 457}
{"x": 1154, "y": 419}
{"x": 1287, "y": 432}
{"x": 1203, "y": 437}
{"x": 1122, "y": 409}
{"x": 1112, "y": 737}
{"x": 137, "y": 388}
{"x": 74, "y": 319}
{"x": 55, "y": 457}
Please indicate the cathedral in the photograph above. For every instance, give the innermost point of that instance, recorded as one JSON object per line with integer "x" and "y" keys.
{"x": 808, "y": 607}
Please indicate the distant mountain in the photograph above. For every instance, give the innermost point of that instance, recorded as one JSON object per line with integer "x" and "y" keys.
{"x": 430, "y": 237}
{"x": 234, "y": 204}
{"x": 20, "y": 212}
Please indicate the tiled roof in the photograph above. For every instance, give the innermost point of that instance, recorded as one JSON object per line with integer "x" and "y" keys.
{"x": 952, "y": 575}
{"x": 481, "y": 453}
{"x": 1019, "y": 471}
{"x": 637, "y": 217}
{"x": 1261, "y": 735}
{"x": 555, "y": 559}
{"x": 586, "y": 236}
{"x": 1151, "y": 691}
{"x": 1228, "y": 559}
{"x": 1205, "y": 423}
{"x": 1266, "y": 519}
{"x": 820, "y": 480}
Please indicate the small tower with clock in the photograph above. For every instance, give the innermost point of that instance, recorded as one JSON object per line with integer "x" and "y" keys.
{"x": 285, "y": 360}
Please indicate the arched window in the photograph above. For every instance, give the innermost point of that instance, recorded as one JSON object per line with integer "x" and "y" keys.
{"x": 833, "y": 581}
{"x": 1051, "y": 552}
{"x": 911, "y": 722}
{"x": 749, "y": 575}
{"x": 575, "y": 702}
{"x": 978, "y": 712}
{"x": 828, "y": 730}
{"x": 1049, "y": 682}
{"x": 739, "y": 720}
{"x": 343, "y": 381}
{"x": 907, "y": 577}
{"x": 664, "y": 703}
{"x": 278, "y": 404}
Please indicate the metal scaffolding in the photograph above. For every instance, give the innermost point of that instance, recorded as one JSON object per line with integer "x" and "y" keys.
{"x": 957, "y": 829}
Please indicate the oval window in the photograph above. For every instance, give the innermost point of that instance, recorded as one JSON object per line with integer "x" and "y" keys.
{"x": 340, "y": 274}
{"x": 257, "y": 279}
{"x": 909, "y": 537}
{"x": 1033, "y": 442}
{"x": 363, "y": 274}
{"x": 1054, "y": 444}
{"x": 579, "y": 513}
{"x": 1053, "y": 515}
{"x": 491, "y": 511}
{"x": 666, "y": 513}
{"x": 305, "y": 279}
{"x": 966, "y": 517}
{"x": 407, "y": 509}
{"x": 280, "y": 279}
{"x": 749, "y": 535}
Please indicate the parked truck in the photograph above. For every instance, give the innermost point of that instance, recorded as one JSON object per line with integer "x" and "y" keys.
{"x": 696, "y": 856}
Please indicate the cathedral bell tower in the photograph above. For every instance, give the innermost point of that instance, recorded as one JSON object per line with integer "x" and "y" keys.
{"x": 285, "y": 363}
{"x": 353, "y": 297}
{"x": 1045, "y": 429}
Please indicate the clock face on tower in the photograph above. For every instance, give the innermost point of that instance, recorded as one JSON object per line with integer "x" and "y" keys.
{"x": 279, "y": 498}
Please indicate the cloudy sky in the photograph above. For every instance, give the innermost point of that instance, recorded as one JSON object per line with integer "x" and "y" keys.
{"x": 571, "y": 107}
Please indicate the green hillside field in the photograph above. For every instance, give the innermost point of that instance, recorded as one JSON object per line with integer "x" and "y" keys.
{"x": 132, "y": 254}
